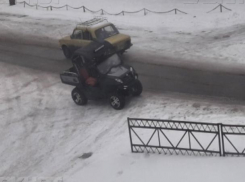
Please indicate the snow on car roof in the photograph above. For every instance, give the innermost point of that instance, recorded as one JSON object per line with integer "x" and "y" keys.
{"x": 93, "y": 23}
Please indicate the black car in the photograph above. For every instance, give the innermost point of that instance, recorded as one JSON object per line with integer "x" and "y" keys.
{"x": 98, "y": 73}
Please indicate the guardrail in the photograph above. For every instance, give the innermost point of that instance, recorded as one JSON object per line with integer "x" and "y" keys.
{"x": 181, "y": 137}
{"x": 221, "y": 7}
{"x": 101, "y": 11}
{"x": 104, "y": 12}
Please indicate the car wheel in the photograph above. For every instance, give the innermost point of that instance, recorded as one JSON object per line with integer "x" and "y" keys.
{"x": 66, "y": 52}
{"x": 137, "y": 88}
{"x": 117, "y": 101}
{"x": 78, "y": 97}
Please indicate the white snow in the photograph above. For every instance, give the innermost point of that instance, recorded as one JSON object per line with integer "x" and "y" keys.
{"x": 197, "y": 37}
{"x": 44, "y": 134}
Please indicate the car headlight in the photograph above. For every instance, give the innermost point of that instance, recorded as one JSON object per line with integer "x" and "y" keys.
{"x": 118, "y": 80}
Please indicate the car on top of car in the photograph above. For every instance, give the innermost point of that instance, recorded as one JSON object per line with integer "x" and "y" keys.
{"x": 95, "y": 30}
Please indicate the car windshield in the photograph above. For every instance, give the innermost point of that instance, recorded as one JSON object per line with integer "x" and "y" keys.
{"x": 110, "y": 62}
{"x": 117, "y": 71}
{"x": 106, "y": 32}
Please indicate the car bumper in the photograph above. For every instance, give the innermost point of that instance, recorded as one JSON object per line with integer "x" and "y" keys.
{"x": 128, "y": 46}
{"x": 126, "y": 88}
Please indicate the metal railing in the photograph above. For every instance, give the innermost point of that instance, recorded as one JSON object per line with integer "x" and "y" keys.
{"x": 235, "y": 132}
{"x": 181, "y": 137}
{"x": 145, "y": 11}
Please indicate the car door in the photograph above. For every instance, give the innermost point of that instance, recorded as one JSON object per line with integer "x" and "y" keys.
{"x": 87, "y": 38}
{"x": 76, "y": 39}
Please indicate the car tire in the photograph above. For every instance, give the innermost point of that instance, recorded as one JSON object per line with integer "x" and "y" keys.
{"x": 78, "y": 97}
{"x": 117, "y": 101}
{"x": 137, "y": 88}
{"x": 66, "y": 51}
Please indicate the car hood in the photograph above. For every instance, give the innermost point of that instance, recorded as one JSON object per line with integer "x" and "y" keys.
{"x": 118, "y": 71}
{"x": 116, "y": 39}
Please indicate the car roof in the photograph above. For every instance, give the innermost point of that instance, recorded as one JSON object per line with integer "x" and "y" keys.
{"x": 93, "y": 24}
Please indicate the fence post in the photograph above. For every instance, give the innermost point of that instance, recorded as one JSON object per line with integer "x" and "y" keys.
{"x": 130, "y": 136}
{"x": 51, "y": 8}
{"x": 175, "y": 11}
{"x": 223, "y": 143}
{"x": 220, "y": 8}
{"x": 102, "y": 12}
{"x": 123, "y": 13}
{"x": 67, "y": 7}
{"x": 159, "y": 140}
{"x": 12, "y": 2}
{"x": 84, "y": 9}
{"x": 189, "y": 139}
{"x": 220, "y": 138}
{"x": 144, "y": 12}
{"x": 36, "y": 6}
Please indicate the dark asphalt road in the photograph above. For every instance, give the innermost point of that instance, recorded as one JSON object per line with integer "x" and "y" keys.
{"x": 154, "y": 75}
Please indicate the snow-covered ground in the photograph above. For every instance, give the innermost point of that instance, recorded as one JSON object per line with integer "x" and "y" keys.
{"x": 197, "y": 36}
{"x": 44, "y": 134}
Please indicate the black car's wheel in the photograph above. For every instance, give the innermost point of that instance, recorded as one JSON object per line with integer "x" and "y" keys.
{"x": 66, "y": 52}
{"x": 117, "y": 101}
{"x": 78, "y": 97}
{"x": 137, "y": 88}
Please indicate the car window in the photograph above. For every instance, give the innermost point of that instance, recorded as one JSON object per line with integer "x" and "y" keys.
{"x": 106, "y": 32}
{"x": 77, "y": 34}
{"x": 110, "y": 62}
{"x": 87, "y": 36}
{"x": 109, "y": 29}
{"x": 117, "y": 71}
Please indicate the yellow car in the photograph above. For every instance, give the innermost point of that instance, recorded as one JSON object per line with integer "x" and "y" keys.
{"x": 94, "y": 30}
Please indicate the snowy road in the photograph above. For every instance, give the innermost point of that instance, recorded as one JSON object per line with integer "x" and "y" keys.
{"x": 186, "y": 56}
{"x": 163, "y": 76}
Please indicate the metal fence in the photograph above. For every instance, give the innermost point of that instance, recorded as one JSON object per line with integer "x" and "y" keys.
{"x": 186, "y": 138}
{"x": 233, "y": 136}
{"x": 220, "y": 7}
{"x": 145, "y": 11}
